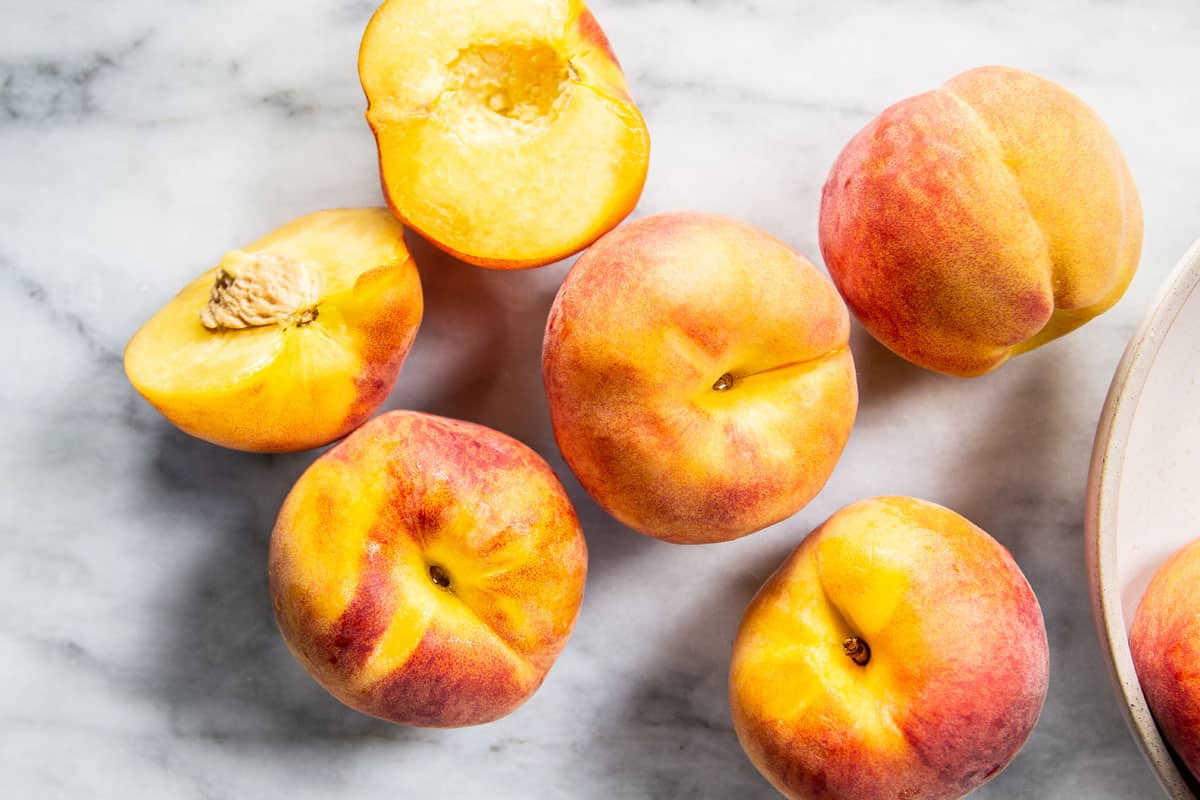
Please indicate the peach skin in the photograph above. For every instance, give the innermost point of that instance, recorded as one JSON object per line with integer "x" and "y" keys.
{"x": 1165, "y": 642}
{"x": 289, "y": 343}
{"x": 698, "y": 375}
{"x": 427, "y": 571}
{"x": 980, "y": 220}
{"x": 897, "y": 653}
{"x": 506, "y": 132}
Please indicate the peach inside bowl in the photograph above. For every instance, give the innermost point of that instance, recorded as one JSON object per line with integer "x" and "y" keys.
{"x": 1143, "y": 503}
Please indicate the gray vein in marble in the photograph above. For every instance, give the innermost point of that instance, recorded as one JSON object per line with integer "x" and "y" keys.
{"x": 38, "y": 296}
{"x": 293, "y": 104}
{"x": 50, "y": 90}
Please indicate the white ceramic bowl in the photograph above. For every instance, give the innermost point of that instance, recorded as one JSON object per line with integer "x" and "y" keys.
{"x": 1144, "y": 489}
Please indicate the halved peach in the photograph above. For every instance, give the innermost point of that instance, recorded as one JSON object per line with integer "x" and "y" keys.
{"x": 506, "y": 132}
{"x": 289, "y": 343}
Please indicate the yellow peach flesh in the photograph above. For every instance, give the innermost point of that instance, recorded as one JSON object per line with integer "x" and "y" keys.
{"x": 506, "y": 132}
{"x": 301, "y": 378}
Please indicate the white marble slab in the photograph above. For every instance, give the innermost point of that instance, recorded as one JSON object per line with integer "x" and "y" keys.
{"x": 141, "y": 139}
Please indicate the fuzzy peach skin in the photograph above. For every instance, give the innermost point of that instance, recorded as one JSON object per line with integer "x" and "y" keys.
{"x": 980, "y": 220}
{"x": 897, "y": 653}
{"x": 1165, "y": 641}
{"x": 428, "y": 571}
{"x": 699, "y": 378}
{"x": 506, "y": 132}
{"x": 288, "y": 343}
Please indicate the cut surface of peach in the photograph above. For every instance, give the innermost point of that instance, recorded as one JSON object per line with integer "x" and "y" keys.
{"x": 506, "y": 132}
{"x": 289, "y": 343}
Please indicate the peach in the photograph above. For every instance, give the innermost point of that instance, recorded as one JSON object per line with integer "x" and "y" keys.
{"x": 427, "y": 571}
{"x": 506, "y": 132}
{"x": 699, "y": 377}
{"x": 897, "y": 653}
{"x": 1165, "y": 642}
{"x": 289, "y": 343}
{"x": 980, "y": 220}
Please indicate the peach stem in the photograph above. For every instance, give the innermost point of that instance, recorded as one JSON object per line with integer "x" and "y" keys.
{"x": 439, "y": 576}
{"x": 858, "y": 650}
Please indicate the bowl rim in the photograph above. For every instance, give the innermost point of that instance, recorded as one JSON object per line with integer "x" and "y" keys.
{"x": 1100, "y": 521}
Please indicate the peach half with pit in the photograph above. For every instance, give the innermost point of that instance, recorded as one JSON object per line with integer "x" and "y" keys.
{"x": 288, "y": 343}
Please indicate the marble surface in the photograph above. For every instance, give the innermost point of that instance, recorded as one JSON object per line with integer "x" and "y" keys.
{"x": 141, "y": 139}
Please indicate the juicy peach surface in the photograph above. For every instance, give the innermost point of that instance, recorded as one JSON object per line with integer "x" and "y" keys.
{"x": 1165, "y": 642}
{"x": 289, "y": 343}
{"x": 428, "y": 571}
{"x": 953, "y": 648}
{"x": 506, "y": 132}
{"x": 980, "y": 220}
{"x": 699, "y": 377}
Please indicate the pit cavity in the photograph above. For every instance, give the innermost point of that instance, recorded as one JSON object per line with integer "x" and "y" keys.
{"x": 516, "y": 86}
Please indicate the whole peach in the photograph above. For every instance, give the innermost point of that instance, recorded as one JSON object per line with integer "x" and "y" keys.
{"x": 980, "y": 220}
{"x": 699, "y": 376}
{"x": 1165, "y": 642}
{"x": 427, "y": 571}
{"x": 897, "y": 653}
